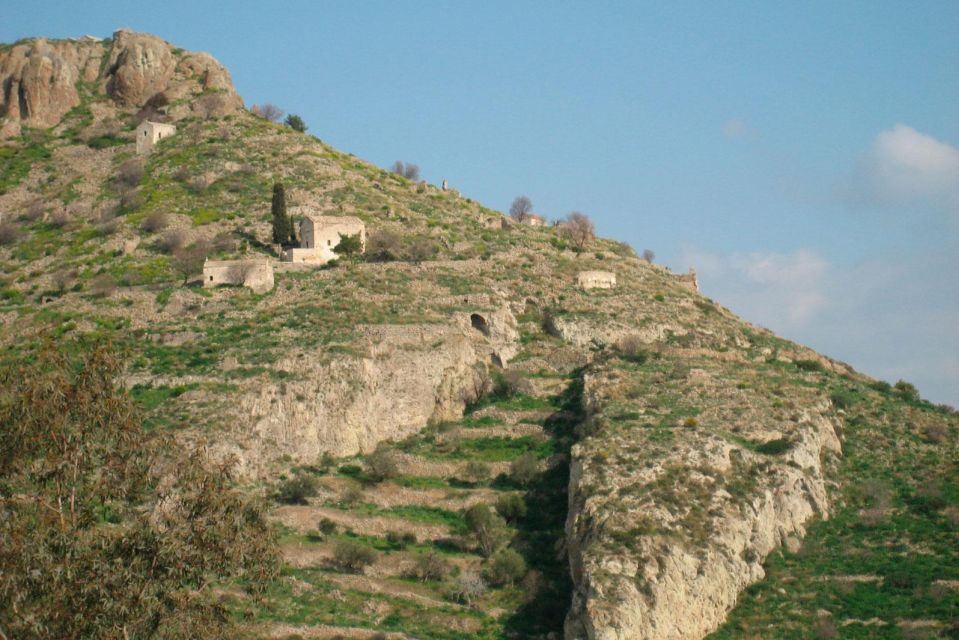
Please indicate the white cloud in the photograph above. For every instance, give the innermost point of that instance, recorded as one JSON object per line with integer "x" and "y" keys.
{"x": 906, "y": 168}
{"x": 769, "y": 288}
{"x": 895, "y": 316}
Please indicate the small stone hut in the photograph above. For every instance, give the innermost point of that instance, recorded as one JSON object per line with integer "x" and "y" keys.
{"x": 256, "y": 274}
{"x": 534, "y": 220}
{"x": 596, "y": 279}
{"x": 149, "y": 133}
{"x": 319, "y": 235}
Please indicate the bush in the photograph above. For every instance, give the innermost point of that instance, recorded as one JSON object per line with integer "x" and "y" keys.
{"x": 906, "y": 391}
{"x": 383, "y": 246}
{"x": 648, "y": 255}
{"x": 103, "y": 285}
{"x": 401, "y": 540}
{"x": 511, "y": 506}
{"x": 327, "y": 527}
{"x": 296, "y": 490}
{"x": 8, "y": 233}
{"x": 295, "y": 122}
{"x": 632, "y": 349}
{"x": 430, "y": 566}
{"x": 408, "y": 170}
{"x": 524, "y": 469}
{"x": 469, "y": 586}
{"x": 79, "y": 459}
{"x": 353, "y": 556}
{"x": 478, "y": 472}
{"x": 381, "y": 465}
{"x": 775, "y": 447}
{"x": 130, "y": 173}
{"x": 421, "y": 250}
{"x": 131, "y": 201}
{"x": 487, "y": 527}
{"x": 155, "y": 221}
{"x": 505, "y": 567}
{"x": 172, "y": 241}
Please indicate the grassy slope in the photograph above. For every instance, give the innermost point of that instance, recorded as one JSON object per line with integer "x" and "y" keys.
{"x": 180, "y": 339}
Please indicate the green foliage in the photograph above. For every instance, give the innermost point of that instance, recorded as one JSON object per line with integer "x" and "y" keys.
{"x": 775, "y": 447}
{"x": 296, "y": 490}
{"x": 281, "y": 222}
{"x": 511, "y": 506}
{"x": 381, "y": 465}
{"x": 83, "y": 485}
{"x": 487, "y": 527}
{"x": 295, "y": 122}
{"x": 506, "y": 566}
{"x": 524, "y": 469}
{"x": 353, "y": 556}
{"x": 349, "y": 245}
{"x": 16, "y": 161}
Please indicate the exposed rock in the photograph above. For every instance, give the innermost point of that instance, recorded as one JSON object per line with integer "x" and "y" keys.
{"x": 140, "y": 66}
{"x": 39, "y": 78}
{"x": 689, "y": 530}
{"x": 408, "y": 377}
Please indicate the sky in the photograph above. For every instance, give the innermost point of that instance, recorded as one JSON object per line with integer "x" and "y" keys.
{"x": 803, "y": 157}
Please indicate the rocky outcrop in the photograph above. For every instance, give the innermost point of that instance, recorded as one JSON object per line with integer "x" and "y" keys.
{"x": 404, "y": 378}
{"x": 39, "y": 78}
{"x": 140, "y": 66}
{"x": 662, "y": 539}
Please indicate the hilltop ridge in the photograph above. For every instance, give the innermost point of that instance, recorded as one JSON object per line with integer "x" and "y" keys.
{"x": 696, "y": 454}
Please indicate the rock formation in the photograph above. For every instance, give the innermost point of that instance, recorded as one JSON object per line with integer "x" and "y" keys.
{"x": 40, "y": 80}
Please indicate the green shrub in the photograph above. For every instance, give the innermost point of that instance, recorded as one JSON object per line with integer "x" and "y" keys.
{"x": 478, "y": 472}
{"x": 327, "y": 526}
{"x": 810, "y": 365}
{"x": 382, "y": 465}
{"x": 353, "y": 556}
{"x": 430, "y": 566}
{"x": 906, "y": 391}
{"x": 524, "y": 469}
{"x": 296, "y": 490}
{"x": 487, "y": 527}
{"x": 511, "y": 506}
{"x": 775, "y": 447}
{"x": 505, "y": 567}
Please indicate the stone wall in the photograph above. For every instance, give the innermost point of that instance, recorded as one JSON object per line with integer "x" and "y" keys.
{"x": 319, "y": 235}
{"x": 596, "y": 279}
{"x": 254, "y": 274}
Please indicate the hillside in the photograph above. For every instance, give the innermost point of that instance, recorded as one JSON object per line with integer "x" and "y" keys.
{"x": 679, "y": 459}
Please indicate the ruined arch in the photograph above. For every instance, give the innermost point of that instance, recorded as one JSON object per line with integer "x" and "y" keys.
{"x": 479, "y": 323}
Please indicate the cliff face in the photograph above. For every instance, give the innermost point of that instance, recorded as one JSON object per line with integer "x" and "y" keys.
{"x": 690, "y": 474}
{"x": 40, "y": 80}
{"x": 393, "y": 383}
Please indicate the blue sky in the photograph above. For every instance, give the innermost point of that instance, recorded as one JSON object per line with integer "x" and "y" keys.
{"x": 802, "y": 156}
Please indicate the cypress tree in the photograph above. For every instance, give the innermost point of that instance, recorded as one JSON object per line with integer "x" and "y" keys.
{"x": 293, "y": 241}
{"x": 281, "y": 223}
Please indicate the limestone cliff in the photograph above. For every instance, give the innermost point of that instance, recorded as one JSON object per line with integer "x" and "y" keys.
{"x": 686, "y": 480}
{"x": 396, "y": 381}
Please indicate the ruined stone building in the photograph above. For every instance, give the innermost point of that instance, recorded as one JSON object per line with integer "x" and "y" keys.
{"x": 149, "y": 133}
{"x": 534, "y": 220}
{"x": 319, "y": 235}
{"x": 255, "y": 274}
{"x": 596, "y": 279}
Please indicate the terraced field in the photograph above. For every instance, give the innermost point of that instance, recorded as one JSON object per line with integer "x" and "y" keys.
{"x": 430, "y": 570}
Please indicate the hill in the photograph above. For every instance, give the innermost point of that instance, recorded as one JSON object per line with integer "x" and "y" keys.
{"x": 668, "y": 454}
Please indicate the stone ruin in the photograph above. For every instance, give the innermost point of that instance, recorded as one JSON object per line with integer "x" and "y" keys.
{"x": 149, "y": 133}
{"x": 690, "y": 280}
{"x": 596, "y": 279}
{"x": 255, "y": 274}
{"x": 319, "y": 235}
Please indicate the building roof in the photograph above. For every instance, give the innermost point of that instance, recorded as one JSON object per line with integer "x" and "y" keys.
{"x": 316, "y": 218}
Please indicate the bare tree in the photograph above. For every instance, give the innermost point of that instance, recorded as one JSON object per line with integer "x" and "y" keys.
{"x": 187, "y": 261}
{"x": 578, "y": 229}
{"x": 408, "y": 170}
{"x": 521, "y": 207}
{"x": 155, "y": 221}
{"x": 172, "y": 241}
{"x": 130, "y": 173}
{"x": 268, "y": 111}
{"x": 649, "y": 256}
{"x": 469, "y": 586}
